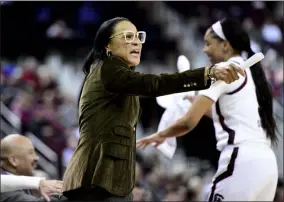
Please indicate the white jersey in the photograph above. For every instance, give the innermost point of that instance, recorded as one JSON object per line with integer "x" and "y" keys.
{"x": 235, "y": 112}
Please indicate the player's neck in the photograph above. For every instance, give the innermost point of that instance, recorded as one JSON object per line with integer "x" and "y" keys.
{"x": 228, "y": 56}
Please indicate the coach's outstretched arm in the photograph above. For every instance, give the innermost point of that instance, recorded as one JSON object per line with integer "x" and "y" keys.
{"x": 117, "y": 77}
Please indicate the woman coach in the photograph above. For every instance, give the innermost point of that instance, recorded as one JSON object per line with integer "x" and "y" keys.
{"x": 103, "y": 165}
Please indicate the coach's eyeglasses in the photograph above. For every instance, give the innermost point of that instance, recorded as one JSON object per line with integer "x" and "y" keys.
{"x": 129, "y": 36}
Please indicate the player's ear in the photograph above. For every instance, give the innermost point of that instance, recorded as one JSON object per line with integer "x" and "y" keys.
{"x": 227, "y": 46}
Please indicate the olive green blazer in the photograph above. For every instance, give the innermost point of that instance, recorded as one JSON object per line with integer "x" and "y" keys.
{"x": 109, "y": 110}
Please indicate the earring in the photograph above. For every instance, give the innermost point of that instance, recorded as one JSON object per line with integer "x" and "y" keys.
{"x": 108, "y": 53}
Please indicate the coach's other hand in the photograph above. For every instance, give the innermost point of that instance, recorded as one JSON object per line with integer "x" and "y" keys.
{"x": 48, "y": 187}
{"x": 227, "y": 72}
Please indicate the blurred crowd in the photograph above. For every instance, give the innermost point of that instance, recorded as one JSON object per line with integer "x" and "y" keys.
{"x": 43, "y": 93}
{"x": 32, "y": 92}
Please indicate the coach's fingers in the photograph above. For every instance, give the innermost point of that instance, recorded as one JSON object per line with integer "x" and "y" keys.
{"x": 221, "y": 73}
{"x": 234, "y": 74}
{"x": 225, "y": 76}
{"x": 238, "y": 69}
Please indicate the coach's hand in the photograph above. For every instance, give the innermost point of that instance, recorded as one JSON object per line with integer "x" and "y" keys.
{"x": 227, "y": 72}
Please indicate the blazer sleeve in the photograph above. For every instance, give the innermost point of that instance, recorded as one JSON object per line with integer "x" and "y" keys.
{"x": 122, "y": 80}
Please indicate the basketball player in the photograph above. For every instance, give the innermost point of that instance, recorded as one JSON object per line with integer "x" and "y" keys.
{"x": 243, "y": 117}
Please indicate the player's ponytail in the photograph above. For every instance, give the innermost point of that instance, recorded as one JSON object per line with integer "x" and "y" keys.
{"x": 240, "y": 41}
{"x": 264, "y": 98}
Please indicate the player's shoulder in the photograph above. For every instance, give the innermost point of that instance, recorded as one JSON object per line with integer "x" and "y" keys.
{"x": 240, "y": 83}
{"x": 238, "y": 60}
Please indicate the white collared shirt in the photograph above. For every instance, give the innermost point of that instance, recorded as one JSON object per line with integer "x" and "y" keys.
{"x": 18, "y": 182}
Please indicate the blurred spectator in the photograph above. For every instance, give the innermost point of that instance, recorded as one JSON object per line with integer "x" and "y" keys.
{"x": 8, "y": 88}
{"x": 72, "y": 141}
{"x": 18, "y": 157}
{"x": 29, "y": 73}
{"x": 51, "y": 136}
{"x": 271, "y": 32}
{"x": 140, "y": 192}
{"x": 23, "y": 105}
{"x": 87, "y": 14}
{"x": 59, "y": 30}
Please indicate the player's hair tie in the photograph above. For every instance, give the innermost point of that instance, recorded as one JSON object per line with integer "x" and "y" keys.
{"x": 217, "y": 28}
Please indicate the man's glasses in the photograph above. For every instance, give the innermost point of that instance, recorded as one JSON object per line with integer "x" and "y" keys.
{"x": 130, "y": 36}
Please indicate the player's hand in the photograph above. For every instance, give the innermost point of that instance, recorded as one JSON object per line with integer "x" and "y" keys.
{"x": 227, "y": 72}
{"x": 48, "y": 187}
{"x": 154, "y": 139}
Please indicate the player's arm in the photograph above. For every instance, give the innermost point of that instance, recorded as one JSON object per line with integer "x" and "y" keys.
{"x": 209, "y": 113}
{"x": 191, "y": 99}
{"x": 188, "y": 122}
{"x": 200, "y": 107}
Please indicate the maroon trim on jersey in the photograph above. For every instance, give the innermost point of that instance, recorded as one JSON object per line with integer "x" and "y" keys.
{"x": 229, "y": 172}
{"x": 230, "y": 131}
{"x": 241, "y": 86}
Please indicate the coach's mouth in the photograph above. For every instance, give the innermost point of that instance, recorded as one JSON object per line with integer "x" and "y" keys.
{"x": 135, "y": 53}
